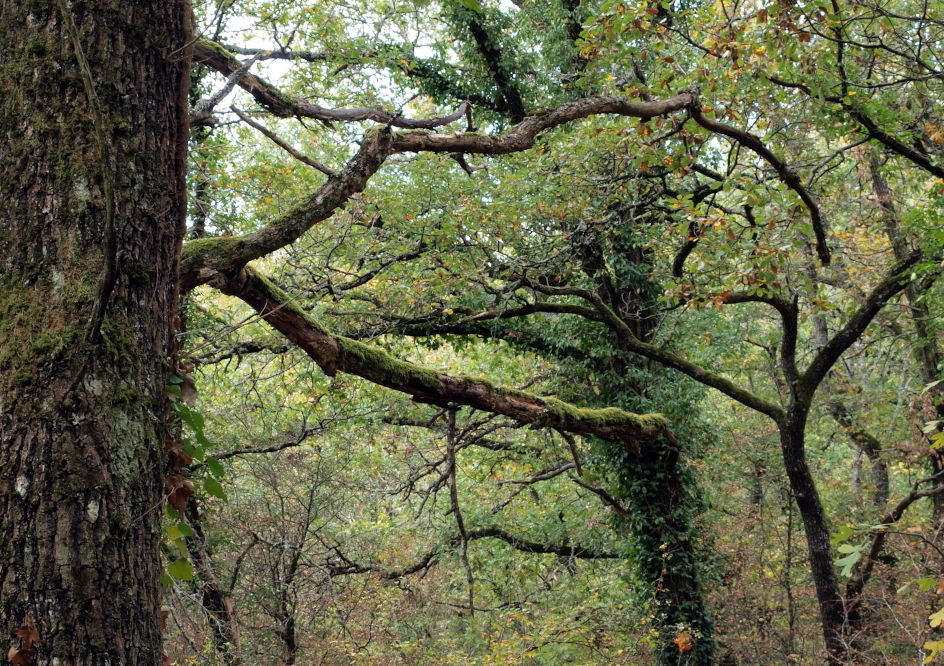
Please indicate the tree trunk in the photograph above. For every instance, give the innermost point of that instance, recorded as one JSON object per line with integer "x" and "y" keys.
{"x": 92, "y": 150}
{"x": 663, "y": 500}
{"x": 832, "y": 617}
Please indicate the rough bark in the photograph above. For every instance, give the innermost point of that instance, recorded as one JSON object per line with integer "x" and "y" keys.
{"x": 82, "y": 411}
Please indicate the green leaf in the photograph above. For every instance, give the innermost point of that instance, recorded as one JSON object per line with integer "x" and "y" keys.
{"x": 936, "y": 619}
{"x": 847, "y": 563}
{"x": 181, "y": 569}
{"x": 925, "y": 584}
{"x": 213, "y": 487}
{"x": 937, "y": 441}
{"x": 474, "y": 5}
{"x": 844, "y": 533}
{"x": 215, "y": 467}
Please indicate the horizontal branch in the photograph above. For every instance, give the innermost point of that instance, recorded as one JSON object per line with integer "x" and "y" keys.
{"x": 348, "y": 567}
{"x": 522, "y": 136}
{"x": 525, "y": 546}
{"x": 278, "y": 103}
{"x": 339, "y": 354}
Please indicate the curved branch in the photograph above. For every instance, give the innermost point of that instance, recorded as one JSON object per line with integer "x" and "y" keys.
{"x": 339, "y": 354}
{"x": 522, "y": 136}
{"x": 348, "y": 567}
{"x": 788, "y": 317}
{"x": 203, "y": 258}
{"x": 787, "y": 175}
{"x": 872, "y": 129}
{"x": 631, "y": 343}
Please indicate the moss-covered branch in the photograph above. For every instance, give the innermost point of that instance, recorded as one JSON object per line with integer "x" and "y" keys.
{"x": 203, "y": 258}
{"x": 339, "y": 354}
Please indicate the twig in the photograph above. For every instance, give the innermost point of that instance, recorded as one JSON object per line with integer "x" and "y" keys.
{"x": 280, "y": 143}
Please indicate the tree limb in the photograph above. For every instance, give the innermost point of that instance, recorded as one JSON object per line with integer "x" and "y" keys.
{"x": 202, "y": 258}
{"x": 896, "y": 281}
{"x": 278, "y": 103}
{"x": 787, "y": 175}
{"x": 339, "y": 354}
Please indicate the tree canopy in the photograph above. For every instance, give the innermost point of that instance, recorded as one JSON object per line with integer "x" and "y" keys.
{"x": 508, "y": 332}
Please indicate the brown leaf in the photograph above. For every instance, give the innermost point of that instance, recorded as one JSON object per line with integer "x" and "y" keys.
{"x": 28, "y": 636}
{"x": 683, "y": 640}
{"x": 188, "y": 389}
{"x": 19, "y": 656}
{"x": 178, "y": 489}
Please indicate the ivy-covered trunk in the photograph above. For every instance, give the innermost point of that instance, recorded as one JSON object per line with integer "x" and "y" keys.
{"x": 92, "y": 148}
{"x": 661, "y": 495}
{"x": 663, "y": 500}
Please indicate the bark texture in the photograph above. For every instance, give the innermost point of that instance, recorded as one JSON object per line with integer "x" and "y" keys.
{"x": 91, "y": 175}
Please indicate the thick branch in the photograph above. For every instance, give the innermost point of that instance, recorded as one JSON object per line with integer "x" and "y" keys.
{"x": 522, "y": 136}
{"x": 202, "y": 258}
{"x": 339, "y": 354}
{"x": 788, "y": 317}
{"x": 631, "y": 343}
{"x": 896, "y": 281}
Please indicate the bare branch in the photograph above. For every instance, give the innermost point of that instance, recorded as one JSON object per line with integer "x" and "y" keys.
{"x": 280, "y": 143}
{"x": 278, "y": 103}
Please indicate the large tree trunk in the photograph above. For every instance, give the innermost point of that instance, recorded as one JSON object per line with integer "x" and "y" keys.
{"x": 92, "y": 144}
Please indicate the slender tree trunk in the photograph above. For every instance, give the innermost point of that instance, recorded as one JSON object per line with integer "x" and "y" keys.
{"x": 819, "y": 552}
{"x": 92, "y": 150}
{"x": 926, "y": 352}
{"x": 215, "y": 599}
